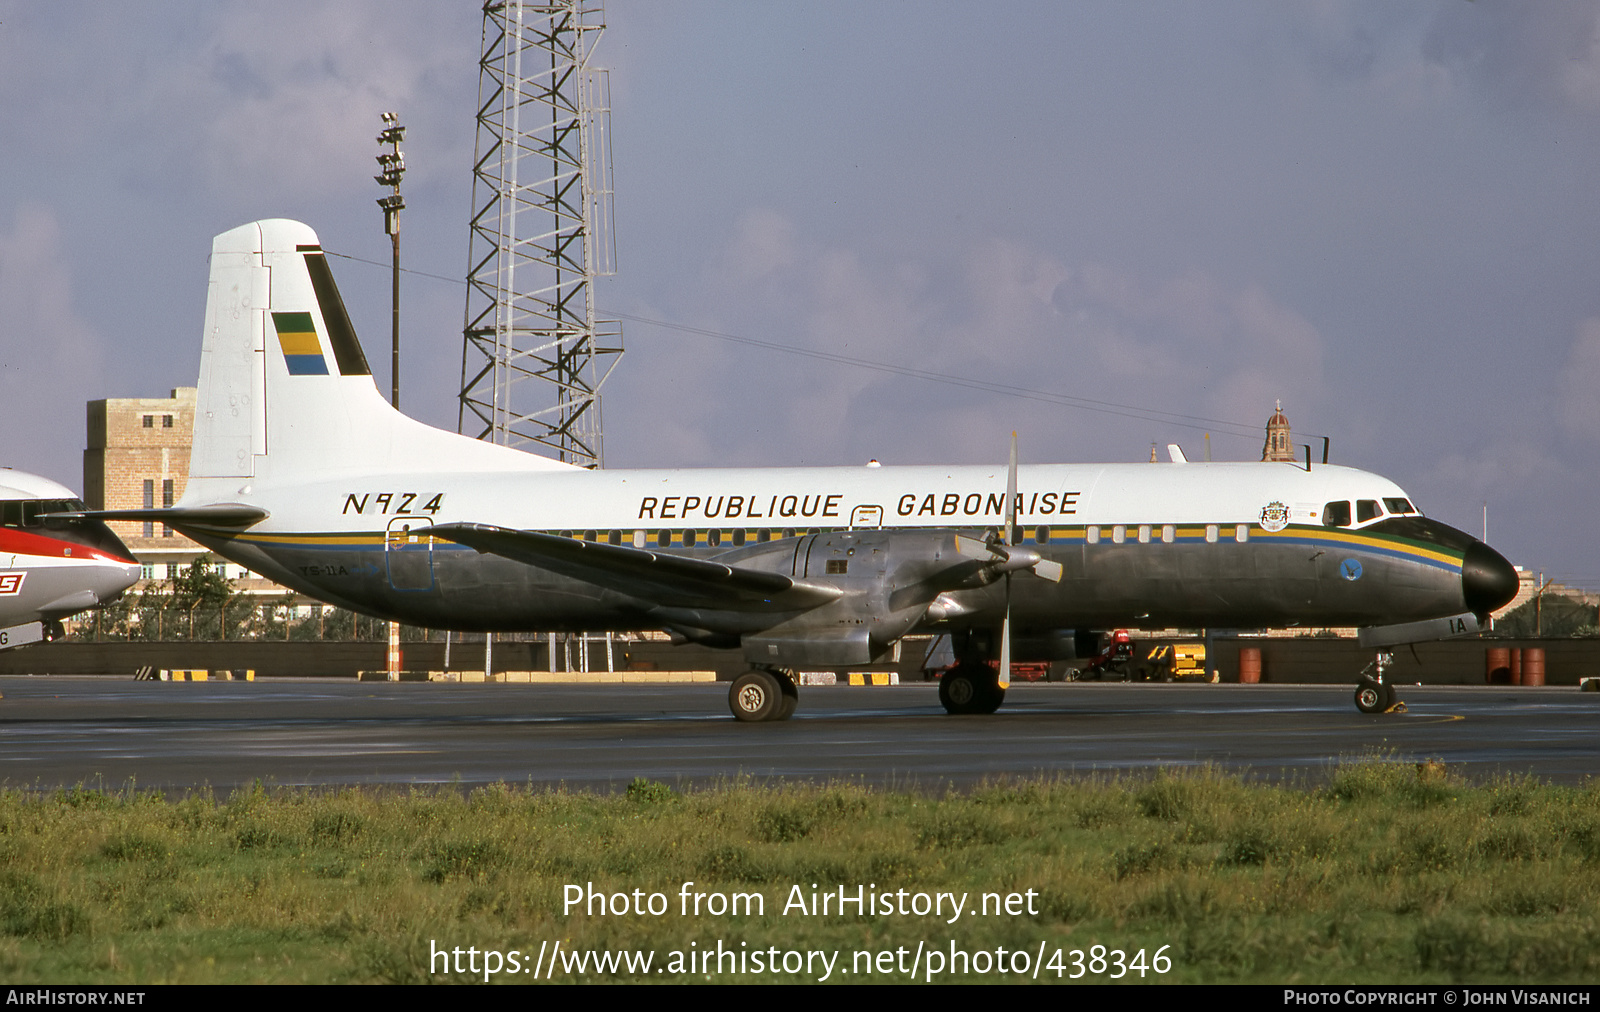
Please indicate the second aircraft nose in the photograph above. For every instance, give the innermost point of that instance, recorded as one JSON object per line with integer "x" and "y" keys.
{"x": 1488, "y": 581}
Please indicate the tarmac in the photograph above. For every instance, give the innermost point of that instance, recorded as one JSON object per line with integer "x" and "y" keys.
{"x": 98, "y": 731}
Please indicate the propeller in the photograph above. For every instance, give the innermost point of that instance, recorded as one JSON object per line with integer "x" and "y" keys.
{"x": 1005, "y": 558}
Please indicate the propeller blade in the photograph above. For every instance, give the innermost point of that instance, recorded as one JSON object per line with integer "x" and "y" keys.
{"x": 1011, "y": 494}
{"x": 1005, "y": 640}
{"x": 974, "y": 548}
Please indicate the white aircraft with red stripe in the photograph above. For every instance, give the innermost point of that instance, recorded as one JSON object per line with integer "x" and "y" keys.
{"x": 52, "y": 567}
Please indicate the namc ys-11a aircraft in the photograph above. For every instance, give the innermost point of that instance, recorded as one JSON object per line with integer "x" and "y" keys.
{"x": 303, "y": 473}
{"x": 52, "y": 567}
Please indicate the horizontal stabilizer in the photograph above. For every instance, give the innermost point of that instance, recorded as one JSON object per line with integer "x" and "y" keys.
{"x": 668, "y": 580}
{"x": 225, "y": 514}
{"x": 1465, "y": 624}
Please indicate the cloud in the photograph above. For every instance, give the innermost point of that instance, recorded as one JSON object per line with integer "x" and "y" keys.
{"x": 1578, "y": 386}
{"x": 50, "y": 359}
{"x": 1002, "y": 313}
{"x": 1527, "y": 54}
{"x": 278, "y": 101}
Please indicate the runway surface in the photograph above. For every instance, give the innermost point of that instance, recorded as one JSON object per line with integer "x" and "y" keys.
{"x": 62, "y": 731}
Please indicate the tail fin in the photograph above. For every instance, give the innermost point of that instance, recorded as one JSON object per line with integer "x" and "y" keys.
{"x": 285, "y": 393}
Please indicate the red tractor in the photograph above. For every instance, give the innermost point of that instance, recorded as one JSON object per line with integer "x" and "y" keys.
{"x": 1113, "y": 663}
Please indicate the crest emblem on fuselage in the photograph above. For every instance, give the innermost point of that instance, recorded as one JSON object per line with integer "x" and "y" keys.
{"x": 11, "y": 584}
{"x": 1274, "y": 516}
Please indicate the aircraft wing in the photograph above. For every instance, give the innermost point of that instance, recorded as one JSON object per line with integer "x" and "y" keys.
{"x": 670, "y": 580}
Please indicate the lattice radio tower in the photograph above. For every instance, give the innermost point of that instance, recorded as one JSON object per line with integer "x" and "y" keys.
{"x": 533, "y": 355}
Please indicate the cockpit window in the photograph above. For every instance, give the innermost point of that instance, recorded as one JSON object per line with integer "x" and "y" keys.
{"x": 1336, "y": 514}
{"x": 30, "y": 514}
{"x": 1398, "y": 506}
{"x": 1367, "y": 509}
{"x": 27, "y": 512}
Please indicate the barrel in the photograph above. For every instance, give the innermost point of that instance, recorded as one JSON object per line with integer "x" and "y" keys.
{"x": 1533, "y": 665}
{"x": 1516, "y": 665}
{"x": 1498, "y": 666}
{"x": 1249, "y": 665}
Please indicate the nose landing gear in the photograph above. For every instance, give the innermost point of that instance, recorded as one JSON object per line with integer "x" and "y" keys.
{"x": 1373, "y": 693}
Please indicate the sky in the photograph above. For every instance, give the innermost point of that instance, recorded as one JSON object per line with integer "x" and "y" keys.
{"x": 1385, "y": 215}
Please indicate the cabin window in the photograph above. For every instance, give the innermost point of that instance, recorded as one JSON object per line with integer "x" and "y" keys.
{"x": 1042, "y": 535}
{"x": 714, "y": 537}
{"x": 663, "y": 538}
{"x": 763, "y": 535}
{"x": 1367, "y": 509}
{"x": 1336, "y": 514}
{"x": 1092, "y": 535}
{"x": 1241, "y": 532}
{"x": 613, "y": 537}
{"x": 566, "y": 534}
{"x": 1168, "y": 532}
{"x": 591, "y": 535}
{"x": 1119, "y": 534}
{"x": 689, "y": 538}
{"x": 1211, "y": 533}
{"x": 738, "y": 537}
{"x": 788, "y": 532}
{"x": 1144, "y": 534}
{"x": 1399, "y": 506}
{"x": 640, "y": 538}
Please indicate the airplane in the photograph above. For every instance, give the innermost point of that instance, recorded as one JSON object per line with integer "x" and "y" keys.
{"x": 52, "y": 566}
{"x": 302, "y": 472}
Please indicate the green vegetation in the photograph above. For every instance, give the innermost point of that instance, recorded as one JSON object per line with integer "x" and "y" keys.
{"x": 1548, "y": 616}
{"x": 200, "y": 603}
{"x": 1388, "y": 872}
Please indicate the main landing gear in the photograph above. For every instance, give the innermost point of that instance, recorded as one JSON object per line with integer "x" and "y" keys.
{"x": 763, "y": 694}
{"x": 971, "y": 687}
{"x": 1373, "y": 693}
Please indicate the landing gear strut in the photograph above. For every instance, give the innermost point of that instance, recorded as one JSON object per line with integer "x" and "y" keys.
{"x": 971, "y": 687}
{"x": 763, "y": 694}
{"x": 1373, "y": 693}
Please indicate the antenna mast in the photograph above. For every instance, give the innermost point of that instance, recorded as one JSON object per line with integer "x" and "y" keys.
{"x": 533, "y": 354}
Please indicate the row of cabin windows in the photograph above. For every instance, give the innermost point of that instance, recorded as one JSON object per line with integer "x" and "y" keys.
{"x": 689, "y": 538}
{"x": 1165, "y": 533}
{"x": 1337, "y": 513}
{"x": 716, "y": 537}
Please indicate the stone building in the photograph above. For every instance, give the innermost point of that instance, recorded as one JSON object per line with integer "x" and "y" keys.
{"x": 1279, "y": 445}
{"x": 137, "y": 457}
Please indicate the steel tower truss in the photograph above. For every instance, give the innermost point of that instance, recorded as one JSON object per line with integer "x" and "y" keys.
{"x": 533, "y": 355}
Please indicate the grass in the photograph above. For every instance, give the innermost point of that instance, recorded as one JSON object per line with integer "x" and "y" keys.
{"x": 1386, "y": 872}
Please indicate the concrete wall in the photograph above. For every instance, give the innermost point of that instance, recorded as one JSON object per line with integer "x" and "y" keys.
{"x": 1283, "y": 661}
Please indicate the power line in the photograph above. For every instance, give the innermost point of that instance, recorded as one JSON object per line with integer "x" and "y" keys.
{"x": 1196, "y": 422}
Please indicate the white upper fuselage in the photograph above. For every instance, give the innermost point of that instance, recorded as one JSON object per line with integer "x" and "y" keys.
{"x": 824, "y": 497}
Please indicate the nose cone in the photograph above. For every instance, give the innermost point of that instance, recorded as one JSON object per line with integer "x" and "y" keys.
{"x": 115, "y": 579}
{"x": 1488, "y": 581}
